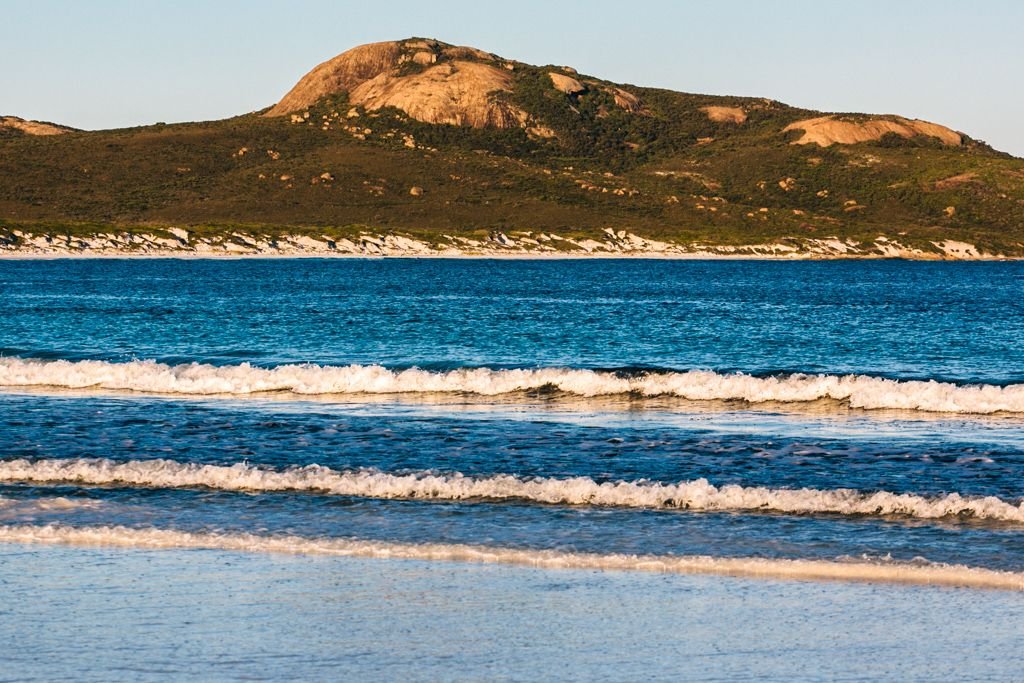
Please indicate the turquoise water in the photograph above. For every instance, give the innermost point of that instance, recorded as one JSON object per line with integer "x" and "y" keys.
{"x": 541, "y": 448}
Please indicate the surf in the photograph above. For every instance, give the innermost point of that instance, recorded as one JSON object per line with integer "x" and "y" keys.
{"x": 695, "y": 495}
{"x": 196, "y": 379}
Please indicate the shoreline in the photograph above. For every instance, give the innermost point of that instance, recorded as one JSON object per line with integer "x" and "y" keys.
{"x": 26, "y": 255}
{"x": 178, "y": 243}
{"x": 478, "y": 257}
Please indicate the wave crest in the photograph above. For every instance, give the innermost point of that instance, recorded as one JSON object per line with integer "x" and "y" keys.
{"x": 698, "y": 494}
{"x": 860, "y": 391}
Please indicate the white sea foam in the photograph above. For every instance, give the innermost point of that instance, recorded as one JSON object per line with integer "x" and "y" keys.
{"x": 860, "y": 391}
{"x": 15, "y": 508}
{"x": 698, "y": 494}
{"x": 864, "y": 571}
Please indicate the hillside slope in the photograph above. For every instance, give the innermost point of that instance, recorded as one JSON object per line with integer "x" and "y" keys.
{"x": 14, "y": 126}
{"x": 451, "y": 145}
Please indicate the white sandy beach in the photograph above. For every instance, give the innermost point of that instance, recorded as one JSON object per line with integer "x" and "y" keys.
{"x": 179, "y": 243}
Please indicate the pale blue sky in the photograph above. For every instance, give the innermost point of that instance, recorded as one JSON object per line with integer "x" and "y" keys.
{"x": 103, "y": 64}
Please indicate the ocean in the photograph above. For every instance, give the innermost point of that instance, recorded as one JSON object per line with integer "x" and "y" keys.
{"x": 459, "y": 469}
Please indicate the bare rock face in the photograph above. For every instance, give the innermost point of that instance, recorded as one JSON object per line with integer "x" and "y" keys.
{"x": 458, "y": 93}
{"x": 829, "y": 130}
{"x": 433, "y": 82}
{"x": 32, "y": 127}
{"x": 570, "y": 86}
{"x": 626, "y": 100}
{"x": 341, "y": 74}
{"x": 466, "y": 52}
{"x": 725, "y": 114}
{"x": 424, "y": 58}
{"x": 456, "y": 85}
{"x": 567, "y": 84}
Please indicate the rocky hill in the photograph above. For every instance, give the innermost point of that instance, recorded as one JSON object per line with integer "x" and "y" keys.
{"x": 418, "y": 146}
{"x": 13, "y": 126}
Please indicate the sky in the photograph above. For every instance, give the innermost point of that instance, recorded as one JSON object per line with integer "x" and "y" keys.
{"x": 114, "y": 63}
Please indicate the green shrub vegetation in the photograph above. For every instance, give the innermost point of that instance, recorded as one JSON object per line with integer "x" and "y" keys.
{"x": 666, "y": 172}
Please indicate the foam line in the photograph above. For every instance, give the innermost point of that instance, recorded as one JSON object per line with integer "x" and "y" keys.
{"x": 858, "y": 571}
{"x": 697, "y": 494}
{"x": 12, "y": 508}
{"x": 860, "y": 391}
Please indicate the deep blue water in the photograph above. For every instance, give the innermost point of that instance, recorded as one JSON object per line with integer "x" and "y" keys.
{"x": 959, "y": 323}
{"x": 962, "y": 321}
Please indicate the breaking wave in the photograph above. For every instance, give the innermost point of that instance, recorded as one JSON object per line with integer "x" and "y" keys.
{"x": 860, "y": 391}
{"x": 698, "y": 494}
{"x": 862, "y": 571}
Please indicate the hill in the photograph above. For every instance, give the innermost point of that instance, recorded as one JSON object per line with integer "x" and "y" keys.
{"x": 452, "y": 148}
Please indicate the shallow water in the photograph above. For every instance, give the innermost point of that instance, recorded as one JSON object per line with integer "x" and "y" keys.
{"x": 100, "y": 614}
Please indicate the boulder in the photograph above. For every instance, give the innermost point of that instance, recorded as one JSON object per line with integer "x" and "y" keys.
{"x": 567, "y": 84}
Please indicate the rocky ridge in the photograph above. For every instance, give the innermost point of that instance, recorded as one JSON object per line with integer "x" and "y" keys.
{"x": 438, "y": 83}
{"x": 433, "y": 82}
